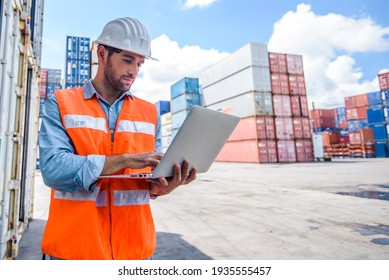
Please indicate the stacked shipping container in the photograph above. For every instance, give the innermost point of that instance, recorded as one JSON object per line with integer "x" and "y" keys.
{"x": 378, "y": 116}
{"x": 241, "y": 85}
{"x": 163, "y": 107}
{"x": 77, "y": 64}
{"x": 184, "y": 95}
{"x": 293, "y": 132}
{"x": 49, "y": 82}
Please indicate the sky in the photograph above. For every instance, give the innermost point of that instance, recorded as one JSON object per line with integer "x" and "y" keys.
{"x": 344, "y": 43}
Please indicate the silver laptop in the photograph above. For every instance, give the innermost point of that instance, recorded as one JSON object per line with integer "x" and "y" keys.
{"x": 199, "y": 140}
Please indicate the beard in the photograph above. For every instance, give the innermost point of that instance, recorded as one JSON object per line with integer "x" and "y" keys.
{"x": 115, "y": 83}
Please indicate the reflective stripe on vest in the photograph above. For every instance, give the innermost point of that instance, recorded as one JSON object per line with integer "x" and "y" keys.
{"x": 77, "y": 121}
{"x": 131, "y": 197}
{"x": 136, "y": 127}
{"x": 121, "y": 197}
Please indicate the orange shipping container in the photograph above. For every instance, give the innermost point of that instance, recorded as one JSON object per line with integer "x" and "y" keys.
{"x": 254, "y": 128}
{"x": 330, "y": 138}
{"x": 295, "y": 105}
{"x": 367, "y": 135}
{"x": 358, "y": 113}
{"x": 239, "y": 151}
{"x": 304, "y": 106}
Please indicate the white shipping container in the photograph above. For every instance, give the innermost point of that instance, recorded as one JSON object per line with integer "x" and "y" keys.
{"x": 247, "y": 80}
{"x": 166, "y": 129}
{"x": 251, "y": 54}
{"x": 246, "y": 105}
{"x": 166, "y": 118}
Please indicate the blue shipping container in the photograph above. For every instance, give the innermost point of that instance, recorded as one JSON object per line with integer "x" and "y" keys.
{"x": 385, "y": 96}
{"x": 163, "y": 106}
{"x": 356, "y": 125}
{"x": 71, "y": 47}
{"x": 71, "y": 72}
{"x": 382, "y": 149}
{"x": 375, "y": 98}
{"x": 83, "y": 71}
{"x": 381, "y": 131}
{"x": 50, "y": 88}
{"x": 83, "y": 48}
{"x": 185, "y": 101}
{"x": 53, "y": 76}
{"x": 185, "y": 85}
{"x": 375, "y": 115}
{"x": 341, "y": 111}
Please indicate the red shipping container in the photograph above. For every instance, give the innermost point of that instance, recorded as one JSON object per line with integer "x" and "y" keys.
{"x": 323, "y": 123}
{"x": 281, "y": 105}
{"x": 267, "y": 150}
{"x": 344, "y": 139}
{"x": 322, "y": 113}
{"x": 383, "y": 80}
{"x": 239, "y": 151}
{"x": 297, "y": 85}
{"x": 306, "y": 128}
{"x": 361, "y": 100}
{"x": 304, "y": 150}
{"x": 358, "y": 113}
{"x": 295, "y": 105}
{"x": 298, "y": 127}
{"x": 304, "y": 106}
{"x": 279, "y": 83}
{"x": 284, "y": 128}
{"x": 286, "y": 151}
{"x": 265, "y": 128}
{"x": 277, "y": 62}
{"x": 295, "y": 64}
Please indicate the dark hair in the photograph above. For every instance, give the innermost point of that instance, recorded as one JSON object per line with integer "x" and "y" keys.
{"x": 110, "y": 50}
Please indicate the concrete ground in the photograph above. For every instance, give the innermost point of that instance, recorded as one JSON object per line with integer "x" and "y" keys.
{"x": 335, "y": 210}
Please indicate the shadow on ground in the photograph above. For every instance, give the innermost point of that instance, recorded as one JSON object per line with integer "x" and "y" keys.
{"x": 170, "y": 246}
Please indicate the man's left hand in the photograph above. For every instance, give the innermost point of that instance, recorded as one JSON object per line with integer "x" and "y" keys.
{"x": 181, "y": 176}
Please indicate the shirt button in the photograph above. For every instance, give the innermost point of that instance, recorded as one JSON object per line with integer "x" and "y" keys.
{"x": 111, "y": 109}
{"x": 111, "y": 131}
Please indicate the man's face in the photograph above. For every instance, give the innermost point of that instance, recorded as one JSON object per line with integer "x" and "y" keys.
{"x": 122, "y": 68}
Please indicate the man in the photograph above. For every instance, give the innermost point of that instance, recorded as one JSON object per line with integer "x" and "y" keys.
{"x": 101, "y": 129}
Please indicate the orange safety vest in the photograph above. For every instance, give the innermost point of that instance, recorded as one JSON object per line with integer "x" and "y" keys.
{"x": 114, "y": 221}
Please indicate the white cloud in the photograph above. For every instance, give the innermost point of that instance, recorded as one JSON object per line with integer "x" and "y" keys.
{"x": 327, "y": 43}
{"x": 175, "y": 63}
{"x": 189, "y": 4}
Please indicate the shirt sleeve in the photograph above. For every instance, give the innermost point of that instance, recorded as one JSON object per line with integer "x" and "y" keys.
{"x": 61, "y": 168}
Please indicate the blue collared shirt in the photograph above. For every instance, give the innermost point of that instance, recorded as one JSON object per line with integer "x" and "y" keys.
{"x": 61, "y": 168}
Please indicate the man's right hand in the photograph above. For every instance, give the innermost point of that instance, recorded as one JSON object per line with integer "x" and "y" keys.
{"x": 115, "y": 163}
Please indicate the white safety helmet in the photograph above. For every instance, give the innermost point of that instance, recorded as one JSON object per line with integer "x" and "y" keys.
{"x": 127, "y": 34}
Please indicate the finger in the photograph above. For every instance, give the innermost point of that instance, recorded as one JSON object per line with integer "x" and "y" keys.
{"x": 192, "y": 176}
{"x": 184, "y": 170}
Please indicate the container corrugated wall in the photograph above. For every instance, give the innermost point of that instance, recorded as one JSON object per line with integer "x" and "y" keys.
{"x": 19, "y": 107}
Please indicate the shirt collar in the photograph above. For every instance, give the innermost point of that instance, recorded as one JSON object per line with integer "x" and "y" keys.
{"x": 90, "y": 91}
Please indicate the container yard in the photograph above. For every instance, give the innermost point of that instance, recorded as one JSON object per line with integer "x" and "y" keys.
{"x": 292, "y": 182}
